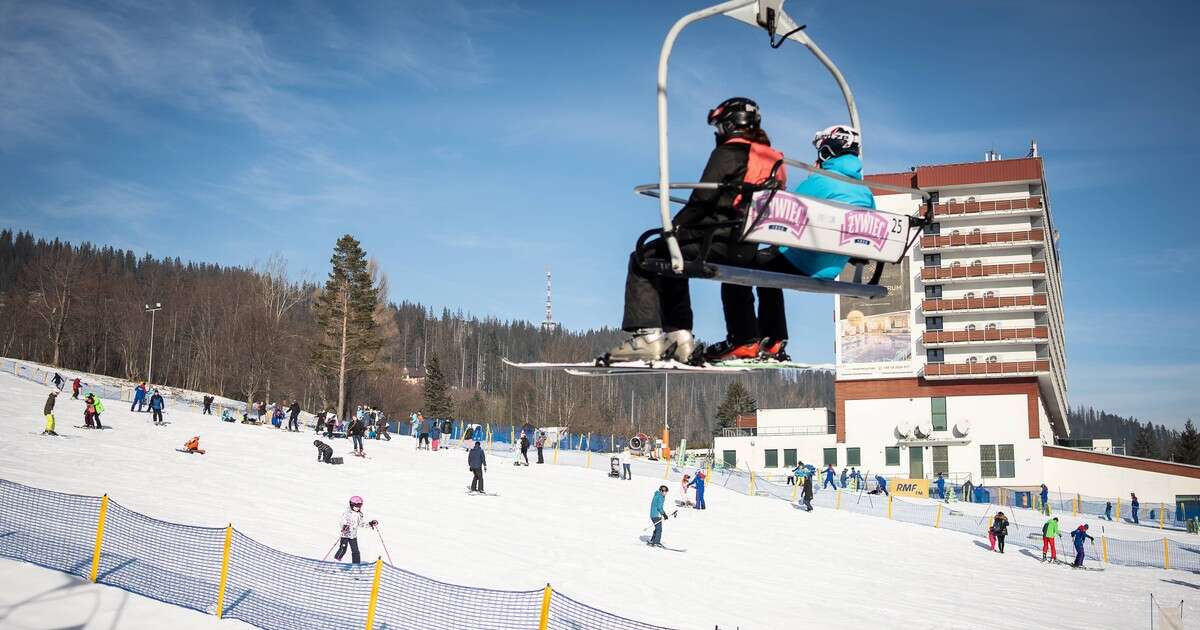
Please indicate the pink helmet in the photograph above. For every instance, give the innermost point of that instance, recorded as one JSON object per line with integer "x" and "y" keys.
{"x": 355, "y": 501}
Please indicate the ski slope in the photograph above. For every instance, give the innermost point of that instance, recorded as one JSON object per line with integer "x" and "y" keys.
{"x": 750, "y": 562}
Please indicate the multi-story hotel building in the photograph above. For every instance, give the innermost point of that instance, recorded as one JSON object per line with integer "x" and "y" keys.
{"x": 962, "y": 368}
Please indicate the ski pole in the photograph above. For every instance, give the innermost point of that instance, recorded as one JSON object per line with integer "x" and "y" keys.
{"x": 658, "y": 520}
{"x": 335, "y": 544}
{"x": 385, "y": 549}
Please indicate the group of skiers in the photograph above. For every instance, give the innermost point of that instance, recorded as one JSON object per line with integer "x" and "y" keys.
{"x": 539, "y": 443}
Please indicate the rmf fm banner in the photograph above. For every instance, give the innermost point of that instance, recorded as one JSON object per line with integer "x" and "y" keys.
{"x": 910, "y": 487}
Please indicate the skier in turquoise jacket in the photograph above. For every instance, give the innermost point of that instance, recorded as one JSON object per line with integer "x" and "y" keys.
{"x": 658, "y": 514}
{"x": 837, "y": 152}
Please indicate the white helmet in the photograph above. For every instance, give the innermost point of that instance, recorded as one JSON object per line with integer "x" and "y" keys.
{"x": 836, "y": 140}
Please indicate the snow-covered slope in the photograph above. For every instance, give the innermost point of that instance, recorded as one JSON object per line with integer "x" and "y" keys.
{"x": 751, "y": 562}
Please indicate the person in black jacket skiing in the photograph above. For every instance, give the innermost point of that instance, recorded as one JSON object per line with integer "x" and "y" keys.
{"x": 525, "y": 448}
{"x": 658, "y": 309}
{"x": 998, "y": 531}
{"x": 356, "y": 430}
{"x": 294, "y": 416}
{"x": 806, "y": 493}
{"x": 48, "y": 412}
{"x": 477, "y": 462}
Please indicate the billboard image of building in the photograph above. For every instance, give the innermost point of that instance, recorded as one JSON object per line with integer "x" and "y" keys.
{"x": 875, "y": 336}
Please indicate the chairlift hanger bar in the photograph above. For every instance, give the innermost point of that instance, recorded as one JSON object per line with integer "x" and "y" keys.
{"x": 766, "y": 14}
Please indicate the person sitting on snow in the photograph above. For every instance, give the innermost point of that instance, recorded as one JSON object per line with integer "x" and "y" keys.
{"x": 193, "y": 445}
{"x": 324, "y": 452}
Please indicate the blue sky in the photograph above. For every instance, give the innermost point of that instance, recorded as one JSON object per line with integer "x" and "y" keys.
{"x": 470, "y": 145}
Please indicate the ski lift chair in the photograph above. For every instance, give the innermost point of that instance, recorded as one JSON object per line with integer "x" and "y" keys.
{"x": 771, "y": 216}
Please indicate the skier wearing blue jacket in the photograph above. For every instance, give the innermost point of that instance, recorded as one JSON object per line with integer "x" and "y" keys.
{"x": 829, "y": 474}
{"x": 837, "y": 152}
{"x": 1079, "y": 535}
{"x": 698, "y": 483}
{"x": 941, "y": 486}
{"x": 658, "y": 514}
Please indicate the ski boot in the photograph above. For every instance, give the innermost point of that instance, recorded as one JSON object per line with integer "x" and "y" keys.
{"x": 772, "y": 350}
{"x": 645, "y": 344}
{"x": 728, "y": 350}
{"x": 683, "y": 347}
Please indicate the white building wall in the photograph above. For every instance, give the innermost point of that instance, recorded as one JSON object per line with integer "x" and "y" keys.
{"x": 1100, "y": 480}
{"x": 998, "y": 419}
{"x": 751, "y": 451}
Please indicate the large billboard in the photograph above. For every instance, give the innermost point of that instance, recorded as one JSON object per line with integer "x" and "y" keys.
{"x": 875, "y": 336}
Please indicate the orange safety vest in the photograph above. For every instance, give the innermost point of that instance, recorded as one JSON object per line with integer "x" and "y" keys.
{"x": 760, "y": 160}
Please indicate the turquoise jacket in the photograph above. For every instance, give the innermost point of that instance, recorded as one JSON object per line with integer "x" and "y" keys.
{"x": 656, "y": 506}
{"x": 821, "y": 265}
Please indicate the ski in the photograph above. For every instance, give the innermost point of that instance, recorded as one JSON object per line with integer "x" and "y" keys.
{"x": 80, "y": 426}
{"x": 59, "y": 435}
{"x": 665, "y": 548}
{"x": 598, "y": 368}
{"x": 482, "y": 494}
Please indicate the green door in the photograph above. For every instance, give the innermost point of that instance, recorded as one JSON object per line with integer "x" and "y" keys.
{"x": 730, "y": 458}
{"x": 916, "y": 462}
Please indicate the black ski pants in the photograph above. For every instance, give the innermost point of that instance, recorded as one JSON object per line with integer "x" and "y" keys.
{"x": 477, "y": 479}
{"x": 653, "y": 301}
{"x": 156, "y": 415}
{"x": 294, "y": 423}
{"x": 525, "y": 454}
{"x": 540, "y": 460}
{"x": 353, "y": 544}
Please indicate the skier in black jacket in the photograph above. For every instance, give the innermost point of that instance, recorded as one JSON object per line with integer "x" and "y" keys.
{"x": 294, "y": 416}
{"x": 525, "y": 448}
{"x": 477, "y": 462}
{"x": 658, "y": 309}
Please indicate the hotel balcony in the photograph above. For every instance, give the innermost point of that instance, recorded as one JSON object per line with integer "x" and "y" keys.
{"x": 947, "y": 371}
{"x": 1004, "y": 303}
{"x": 967, "y": 273}
{"x": 983, "y": 240}
{"x": 1026, "y": 206}
{"x": 986, "y": 337}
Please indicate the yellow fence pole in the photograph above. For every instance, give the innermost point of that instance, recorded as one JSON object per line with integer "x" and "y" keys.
{"x": 751, "y": 483}
{"x": 666, "y": 469}
{"x": 556, "y": 443}
{"x": 99, "y": 538}
{"x": 1118, "y": 509}
{"x": 1104, "y": 547}
{"x": 1075, "y": 506}
{"x": 795, "y": 490}
{"x": 589, "y": 459}
{"x": 224, "y": 570}
{"x": 838, "y": 502}
{"x": 1162, "y": 515}
{"x": 374, "y": 594}
{"x": 1166, "y": 554}
{"x": 544, "y": 618}
{"x": 937, "y": 521}
{"x": 889, "y": 506}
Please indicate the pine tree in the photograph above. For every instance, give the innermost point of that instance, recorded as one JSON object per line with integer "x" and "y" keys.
{"x": 345, "y": 310}
{"x": 437, "y": 398}
{"x": 1186, "y": 449}
{"x": 1146, "y": 443}
{"x": 737, "y": 401}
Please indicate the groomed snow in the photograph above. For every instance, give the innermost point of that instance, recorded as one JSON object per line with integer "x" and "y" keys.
{"x": 751, "y": 562}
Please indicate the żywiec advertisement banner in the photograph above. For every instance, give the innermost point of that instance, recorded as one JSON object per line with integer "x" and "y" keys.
{"x": 875, "y": 336}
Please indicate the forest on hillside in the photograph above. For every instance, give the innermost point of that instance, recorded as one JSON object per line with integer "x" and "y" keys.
{"x": 249, "y": 333}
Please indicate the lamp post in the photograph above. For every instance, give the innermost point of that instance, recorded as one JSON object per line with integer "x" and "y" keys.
{"x": 152, "y": 309}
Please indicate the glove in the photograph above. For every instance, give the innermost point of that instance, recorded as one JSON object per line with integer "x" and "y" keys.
{"x": 373, "y": 524}
{"x": 664, "y": 517}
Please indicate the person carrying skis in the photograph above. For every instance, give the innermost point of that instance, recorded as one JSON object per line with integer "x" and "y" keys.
{"x": 658, "y": 514}
{"x": 1078, "y": 536}
{"x": 324, "y": 452}
{"x": 48, "y": 411}
{"x": 352, "y": 520}
{"x": 76, "y": 385}
{"x": 477, "y": 462}
{"x": 838, "y": 149}
{"x": 193, "y": 445}
{"x": 829, "y": 474}
{"x": 139, "y": 397}
{"x": 1044, "y": 496}
{"x": 525, "y": 448}
{"x": 156, "y": 407}
{"x": 806, "y": 493}
{"x": 1049, "y": 533}
{"x": 698, "y": 482}
{"x": 540, "y": 443}
{"x": 294, "y": 416}
{"x": 998, "y": 531}
{"x": 658, "y": 308}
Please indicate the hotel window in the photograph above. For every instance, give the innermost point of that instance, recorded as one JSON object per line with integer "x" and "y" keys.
{"x": 935, "y": 355}
{"x": 933, "y": 291}
{"x": 941, "y": 460}
{"x": 933, "y": 260}
{"x": 997, "y": 461}
{"x": 772, "y": 458}
{"x": 933, "y": 229}
{"x": 830, "y": 457}
{"x": 933, "y": 323}
{"x": 937, "y": 410}
{"x": 789, "y": 458}
{"x": 891, "y": 455}
{"x": 853, "y": 456}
